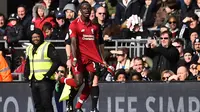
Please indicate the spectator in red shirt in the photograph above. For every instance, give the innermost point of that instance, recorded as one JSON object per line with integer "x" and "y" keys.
{"x": 40, "y": 16}
{"x": 85, "y": 54}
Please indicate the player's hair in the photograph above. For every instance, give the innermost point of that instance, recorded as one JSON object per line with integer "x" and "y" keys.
{"x": 84, "y": 3}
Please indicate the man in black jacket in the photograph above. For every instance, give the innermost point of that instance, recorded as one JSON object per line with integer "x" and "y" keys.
{"x": 165, "y": 56}
{"x": 41, "y": 63}
{"x": 24, "y": 19}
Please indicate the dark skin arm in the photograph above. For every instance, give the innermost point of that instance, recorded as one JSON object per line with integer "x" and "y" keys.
{"x": 74, "y": 49}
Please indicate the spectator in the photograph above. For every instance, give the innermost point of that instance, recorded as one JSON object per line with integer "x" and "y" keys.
{"x": 93, "y": 3}
{"x": 147, "y": 13}
{"x": 62, "y": 3}
{"x": 164, "y": 9}
{"x": 70, "y": 12}
{"x": 189, "y": 23}
{"x": 165, "y": 56}
{"x": 40, "y": 16}
{"x": 196, "y": 57}
{"x": 5, "y": 72}
{"x": 173, "y": 26}
{"x": 120, "y": 75}
{"x": 138, "y": 66}
{"x": 92, "y": 15}
{"x": 123, "y": 62}
{"x": 193, "y": 72}
{"x": 166, "y": 74}
{"x": 187, "y": 58}
{"x": 197, "y": 46}
{"x": 135, "y": 76}
{"x": 14, "y": 31}
{"x": 62, "y": 71}
{"x": 126, "y": 8}
{"x": 182, "y": 73}
{"x": 101, "y": 14}
{"x": 193, "y": 34}
{"x": 2, "y": 26}
{"x": 187, "y": 7}
{"x": 24, "y": 19}
{"x": 62, "y": 26}
{"x": 179, "y": 44}
{"x": 49, "y": 32}
{"x": 50, "y": 5}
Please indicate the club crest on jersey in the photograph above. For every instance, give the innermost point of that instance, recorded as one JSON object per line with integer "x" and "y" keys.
{"x": 83, "y": 30}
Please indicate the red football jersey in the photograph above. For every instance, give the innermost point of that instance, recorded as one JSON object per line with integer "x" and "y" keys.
{"x": 87, "y": 36}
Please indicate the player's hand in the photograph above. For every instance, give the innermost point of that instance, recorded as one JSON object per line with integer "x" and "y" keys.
{"x": 74, "y": 61}
{"x": 69, "y": 63}
{"x": 105, "y": 64}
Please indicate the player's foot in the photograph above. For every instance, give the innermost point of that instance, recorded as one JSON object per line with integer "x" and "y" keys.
{"x": 95, "y": 110}
{"x": 78, "y": 110}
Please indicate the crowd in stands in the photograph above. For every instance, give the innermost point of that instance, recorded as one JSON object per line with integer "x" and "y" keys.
{"x": 171, "y": 28}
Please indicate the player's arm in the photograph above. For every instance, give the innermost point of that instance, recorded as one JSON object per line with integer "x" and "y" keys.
{"x": 73, "y": 37}
{"x": 74, "y": 46}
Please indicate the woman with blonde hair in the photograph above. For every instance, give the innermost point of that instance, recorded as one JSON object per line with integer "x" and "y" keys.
{"x": 168, "y": 75}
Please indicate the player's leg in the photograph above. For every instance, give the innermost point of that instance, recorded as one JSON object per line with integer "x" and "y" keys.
{"x": 94, "y": 93}
{"x": 84, "y": 94}
{"x": 94, "y": 69}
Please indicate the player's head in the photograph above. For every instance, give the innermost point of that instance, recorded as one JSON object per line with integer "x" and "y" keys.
{"x": 85, "y": 9}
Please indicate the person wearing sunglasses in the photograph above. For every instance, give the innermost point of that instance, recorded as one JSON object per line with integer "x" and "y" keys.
{"x": 123, "y": 61}
{"x": 166, "y": 74}
{"x": 61, "y": 71}
{"x": 179, "y": 44}
{"x": 173, "y": 26}
{"x": 164, "y": 56}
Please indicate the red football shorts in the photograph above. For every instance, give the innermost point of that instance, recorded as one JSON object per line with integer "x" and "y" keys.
{"x": 83, "y": 65}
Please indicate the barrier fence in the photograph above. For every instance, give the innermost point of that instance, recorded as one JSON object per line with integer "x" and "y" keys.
{"x": 117, "y": 97}
{"x": 135, "y": 46}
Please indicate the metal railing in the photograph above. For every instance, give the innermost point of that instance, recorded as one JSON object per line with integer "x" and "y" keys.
{"x": 135, "y": 46}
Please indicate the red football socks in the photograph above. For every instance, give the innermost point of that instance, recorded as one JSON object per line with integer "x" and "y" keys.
{"x": 84, "y": 95}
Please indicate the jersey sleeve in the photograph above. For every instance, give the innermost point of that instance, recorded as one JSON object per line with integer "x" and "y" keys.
{"x": 72, "y": 30}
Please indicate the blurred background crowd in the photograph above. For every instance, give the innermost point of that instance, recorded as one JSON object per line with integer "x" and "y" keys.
{"x": 170, "y": 27}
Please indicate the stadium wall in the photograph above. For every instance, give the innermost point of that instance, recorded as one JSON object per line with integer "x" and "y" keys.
{"x": 117, "y": 97}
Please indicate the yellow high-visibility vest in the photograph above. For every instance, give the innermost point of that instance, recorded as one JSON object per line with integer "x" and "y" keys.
{"x": 39, "y": 63}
